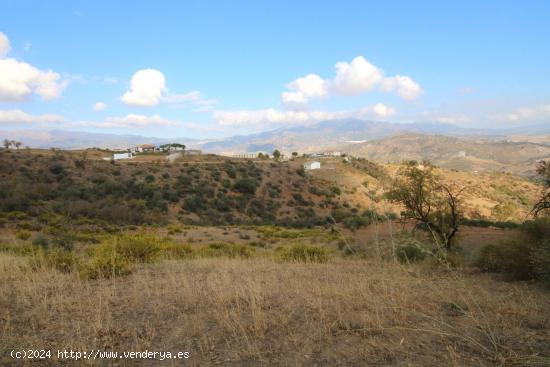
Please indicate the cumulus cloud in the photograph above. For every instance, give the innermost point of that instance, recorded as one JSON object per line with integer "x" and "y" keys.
{"x": 271, "y": 117}
{"x": 146, "y": 88}
{"x": 100, "y": 106}
{"x": 356, "y": 77}
{"x": 301, "y": 89}
{"x": 21, "y": 117}
{"x": 404, "y": 86}
{"x": 18, "y": 80}
{"x": 5, "y": 46}
{"x": 351, "y": 78}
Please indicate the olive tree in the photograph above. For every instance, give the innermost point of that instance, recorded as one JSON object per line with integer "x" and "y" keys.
{"x": 429, "y": 201}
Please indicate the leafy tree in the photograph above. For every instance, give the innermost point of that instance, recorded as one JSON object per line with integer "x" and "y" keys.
{"x": 276, "y": 154}
{"x": 7, "y": 143}
{"x": 294, "y": 154}
{"x": 17, "y": 144}
{"x": 543, "y": 205}
{"x": 427, "y": 200}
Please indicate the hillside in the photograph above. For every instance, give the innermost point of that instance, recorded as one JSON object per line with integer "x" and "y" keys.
{"x": 211, "y": 189}
{"x": 455, "y": 153}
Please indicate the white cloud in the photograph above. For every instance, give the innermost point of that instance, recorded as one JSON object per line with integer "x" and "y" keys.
{"x": 128, "y": 121}
{"x": 146, "y": 88}
{"x": 381, "y": 110}
{"x": 302, "y": 89}
{"x": 293, "y": 99}
{"x": 4, "y": 45}
{"x": 356, "y": 77}
{"x": 100, "y": 106}
{"x": 525, "y": 114}
{"x": 271, "y": 117}
{"x": 18, "y": 80}
{"x": 21, "y": 117}
{"x": 404, "y": 86}
{"x": 351, "y": 78}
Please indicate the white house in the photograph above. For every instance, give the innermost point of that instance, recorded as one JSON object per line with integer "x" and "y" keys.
{"x": 312, "y": 165}
{"x": 118, "y": 156}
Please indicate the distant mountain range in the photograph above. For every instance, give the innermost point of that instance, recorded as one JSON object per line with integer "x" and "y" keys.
{"x": 78, "y": 140}
{"x": 337, "y": 134}
{"x": 451, "y": 146}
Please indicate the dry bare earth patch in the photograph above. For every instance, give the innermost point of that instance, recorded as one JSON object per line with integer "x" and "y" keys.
{"x": 253, "y": 312}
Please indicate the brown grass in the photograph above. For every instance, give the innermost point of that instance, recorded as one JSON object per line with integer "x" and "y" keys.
{"x": 237, "y": 312}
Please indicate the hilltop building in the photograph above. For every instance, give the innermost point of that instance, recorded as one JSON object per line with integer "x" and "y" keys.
{"x": 312, "y": 165}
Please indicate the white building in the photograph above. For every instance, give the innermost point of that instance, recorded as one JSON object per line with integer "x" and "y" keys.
{"x": 118, "y": 156}
{"x": 312, "y": 165}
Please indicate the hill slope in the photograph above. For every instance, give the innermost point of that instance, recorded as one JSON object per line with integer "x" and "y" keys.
{"x": 455, "y": 153}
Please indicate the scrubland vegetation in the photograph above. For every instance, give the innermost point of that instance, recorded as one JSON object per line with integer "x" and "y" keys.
{"x": 259, "y": 263}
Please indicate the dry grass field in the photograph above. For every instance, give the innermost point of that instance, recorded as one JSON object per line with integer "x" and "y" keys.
{"x": 237, "y": 312}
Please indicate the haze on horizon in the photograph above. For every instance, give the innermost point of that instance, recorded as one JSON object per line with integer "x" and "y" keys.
{"x": 215, "y": 69}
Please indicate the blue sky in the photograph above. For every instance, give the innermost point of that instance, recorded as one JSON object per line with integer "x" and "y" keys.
{"x": 218, "y": 68}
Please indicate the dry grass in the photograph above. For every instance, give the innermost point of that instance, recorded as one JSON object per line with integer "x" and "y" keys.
{"x": 239, "y": 312}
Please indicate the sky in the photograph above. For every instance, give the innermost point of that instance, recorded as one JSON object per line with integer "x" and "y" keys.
{"x": 211, "y": 69}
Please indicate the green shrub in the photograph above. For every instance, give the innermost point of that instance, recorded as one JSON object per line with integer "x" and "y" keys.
{"x": 106, "y": 263}
{"x": 138, "y": 248}
{"x": 246, "y": 186}
{"x": 411, "y": 251}
{"x": 522, "y": 259}
{"x": 510, "y": 258}
{"x": 59, "y": 259}
{"x": 23, "y": 234}
{"x": 303, "y": 253}
{"x": 41, "y": 241}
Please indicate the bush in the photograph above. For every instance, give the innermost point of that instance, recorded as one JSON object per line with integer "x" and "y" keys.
{"x": 510, "y": 258}
{"x": 523, "y": 259}
{"x": 246, "y": 186}
{"x": 41, "y": 241}
{"x": 23, "y": 234}
{"x": 139, "y": 248}
{"x": 106, "y": 263}
{"x": 59, "y": 259}
{"x": 303, "y": 253}
{"x": 411, "y": 251}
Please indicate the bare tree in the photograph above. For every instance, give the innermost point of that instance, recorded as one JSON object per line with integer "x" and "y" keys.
{"x": 426, "y": 199}
{"x": 543, "y": 205}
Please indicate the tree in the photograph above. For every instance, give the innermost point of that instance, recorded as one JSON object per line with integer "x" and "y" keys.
{"x": 7, "y": 143}
{"x": 426, "y": 199}
{"x": 276, "y": 154}
{"x": 294, "y": 154}
{"x": 543, "y": 205}
{"x": 17, "y": 144}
